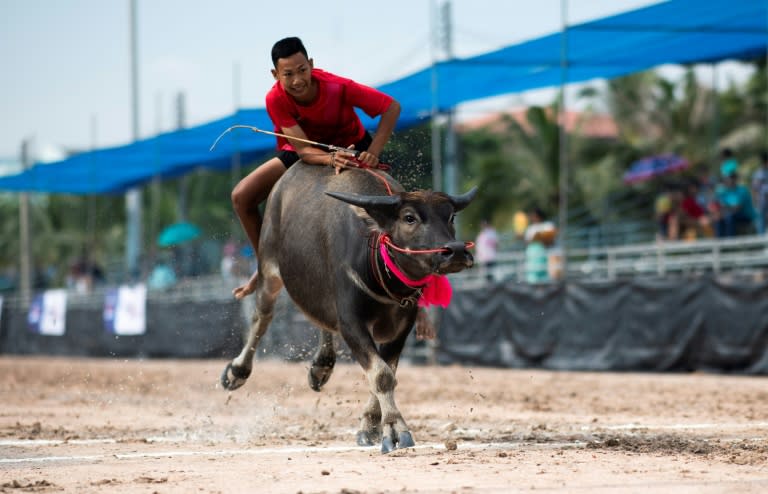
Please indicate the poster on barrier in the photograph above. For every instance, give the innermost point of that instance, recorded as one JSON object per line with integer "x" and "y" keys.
{"x": 125, "y": 310}
{"x": 48, "y": 313}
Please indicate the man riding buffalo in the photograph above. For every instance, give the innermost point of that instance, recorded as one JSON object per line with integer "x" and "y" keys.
{"x": 310, "y": 104}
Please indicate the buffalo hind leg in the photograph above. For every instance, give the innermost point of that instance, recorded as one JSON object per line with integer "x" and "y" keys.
{"x": 370, "y": 425}
{"x": 322, "y": 362}
{"x": 237, "y": 372}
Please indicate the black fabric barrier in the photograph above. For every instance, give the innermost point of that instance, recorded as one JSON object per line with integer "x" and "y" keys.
{"x": 180, "y": 329}
{"x": 650, "y": 325}
{"x": 647, "y": 325}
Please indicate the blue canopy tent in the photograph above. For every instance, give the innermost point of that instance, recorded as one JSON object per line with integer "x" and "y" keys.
{"x": 116, "y": 169}
{"x": 678, "y": 32}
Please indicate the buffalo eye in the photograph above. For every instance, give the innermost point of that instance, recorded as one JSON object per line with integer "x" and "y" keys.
{"x": 409, "y": 218}
{"x": 452, "y": 218}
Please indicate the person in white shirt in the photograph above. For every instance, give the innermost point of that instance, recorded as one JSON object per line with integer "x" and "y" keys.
{"x": 486, "y": 246}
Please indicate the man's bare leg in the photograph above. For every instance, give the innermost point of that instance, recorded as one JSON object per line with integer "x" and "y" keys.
{"x": 246, "y": 197}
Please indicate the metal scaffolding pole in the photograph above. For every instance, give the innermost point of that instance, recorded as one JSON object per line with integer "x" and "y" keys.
{"x": 563, "y": 139}
{"x": 437, "y": 162}
{"x": 25, "y": 243}
{"x": 450, "y": 134}
{"x": 133, "y": 196}
{"x": 444, "y": 168}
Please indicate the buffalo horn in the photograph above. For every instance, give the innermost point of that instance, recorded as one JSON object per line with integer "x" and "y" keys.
{"x": 366, "y": 202}
{"x": 462, "y": 201}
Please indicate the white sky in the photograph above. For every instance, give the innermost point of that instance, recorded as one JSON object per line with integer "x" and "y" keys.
{"x": 65, "y": 64}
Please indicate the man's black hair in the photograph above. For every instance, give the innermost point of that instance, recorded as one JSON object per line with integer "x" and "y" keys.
{"x": 287, "y": 47}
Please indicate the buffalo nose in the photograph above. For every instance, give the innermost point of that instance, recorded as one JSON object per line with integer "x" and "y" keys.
{"x": 455, "y": 249}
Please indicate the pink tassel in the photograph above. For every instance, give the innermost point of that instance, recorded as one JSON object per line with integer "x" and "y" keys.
{"x": 438, "y": 291}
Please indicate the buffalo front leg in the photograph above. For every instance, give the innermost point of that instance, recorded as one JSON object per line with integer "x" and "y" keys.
{"x": 381, "y": 418}
{"x": 371, "y": 424}
{"x": 237, "y": 372}
{"x": 394, "y": 430}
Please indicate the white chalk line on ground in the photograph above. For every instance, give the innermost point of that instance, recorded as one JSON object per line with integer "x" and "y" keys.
{"x": 27, "y": 443}
{"x": 106, "y": 440}
{"x": 284, "y": 450}
{"x": 183, "y": 439}
{"x": 745, "y": 425}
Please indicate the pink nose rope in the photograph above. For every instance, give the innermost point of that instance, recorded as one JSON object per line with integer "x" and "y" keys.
{"x": 436, "y": 289}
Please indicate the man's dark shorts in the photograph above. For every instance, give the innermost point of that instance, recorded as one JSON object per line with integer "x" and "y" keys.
{"x": 290, "y": 157}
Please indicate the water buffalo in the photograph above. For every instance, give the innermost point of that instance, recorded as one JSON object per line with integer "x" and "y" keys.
{"x": 324, "y": 238}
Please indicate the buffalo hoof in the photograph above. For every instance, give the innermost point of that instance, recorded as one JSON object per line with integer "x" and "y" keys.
{"x": 318, "y": 376}
{"x": 364, "y": 439}
{"x": 387, "y": 445}
{"x": 234, "y": 377}
{"x": 404, "y": 440}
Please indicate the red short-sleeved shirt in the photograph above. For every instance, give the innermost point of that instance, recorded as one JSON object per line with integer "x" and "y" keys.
{"x": 330, "y": 118}
{"x": 692, "y": 208}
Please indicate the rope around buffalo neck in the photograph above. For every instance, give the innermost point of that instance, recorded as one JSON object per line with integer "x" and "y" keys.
{"x": 432, "y": 289}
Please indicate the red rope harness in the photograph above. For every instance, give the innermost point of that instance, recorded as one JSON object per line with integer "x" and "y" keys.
{"x": 388, "y": 241}
{"x": 355, "y": 163}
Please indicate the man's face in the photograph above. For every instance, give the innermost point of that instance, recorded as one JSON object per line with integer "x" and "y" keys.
{"x": 295, "y": 75}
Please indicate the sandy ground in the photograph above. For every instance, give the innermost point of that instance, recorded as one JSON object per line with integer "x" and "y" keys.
{"x": 165, "y": 426}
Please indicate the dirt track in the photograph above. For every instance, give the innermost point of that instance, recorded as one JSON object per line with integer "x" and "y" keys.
{"x": 166, "y": 427}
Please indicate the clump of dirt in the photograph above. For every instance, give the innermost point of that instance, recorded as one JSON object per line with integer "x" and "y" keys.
{"x": 26, "y": 486}
{"x": 145, "y": 479}
{"x": 36, "y": 430}
{"x": 742, "y": 452}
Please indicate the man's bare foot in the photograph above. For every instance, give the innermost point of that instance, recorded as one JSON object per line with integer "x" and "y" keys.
{"x": 425, "y": 330}
{"x": 246, "y": 289}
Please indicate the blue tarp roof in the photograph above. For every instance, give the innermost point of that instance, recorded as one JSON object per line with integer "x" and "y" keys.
{"x": 678, "y": 31}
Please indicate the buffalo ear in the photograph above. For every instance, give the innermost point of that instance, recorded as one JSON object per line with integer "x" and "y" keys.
{"x": 380, "y": 208}
{"x": 462, "y": 201}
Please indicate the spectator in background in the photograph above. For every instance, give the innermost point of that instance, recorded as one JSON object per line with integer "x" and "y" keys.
{"x": 539, "y": 236}
{"x": 84, "y": 274}
{"x": 486, "y": 246}
{"x": 760, "y": 192}
{"x": 728, "y": 163}
{"x": 163, "y": 275}
{"x": 705, "y": 195}
{"x": 78, "y": 278}
{"x": 694, "y": 218}
{"x": 736, "y": 209}
{"x": 670, "y": 217}
{"x": 663, "y": 212}
{"x": 227, "y": 265}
